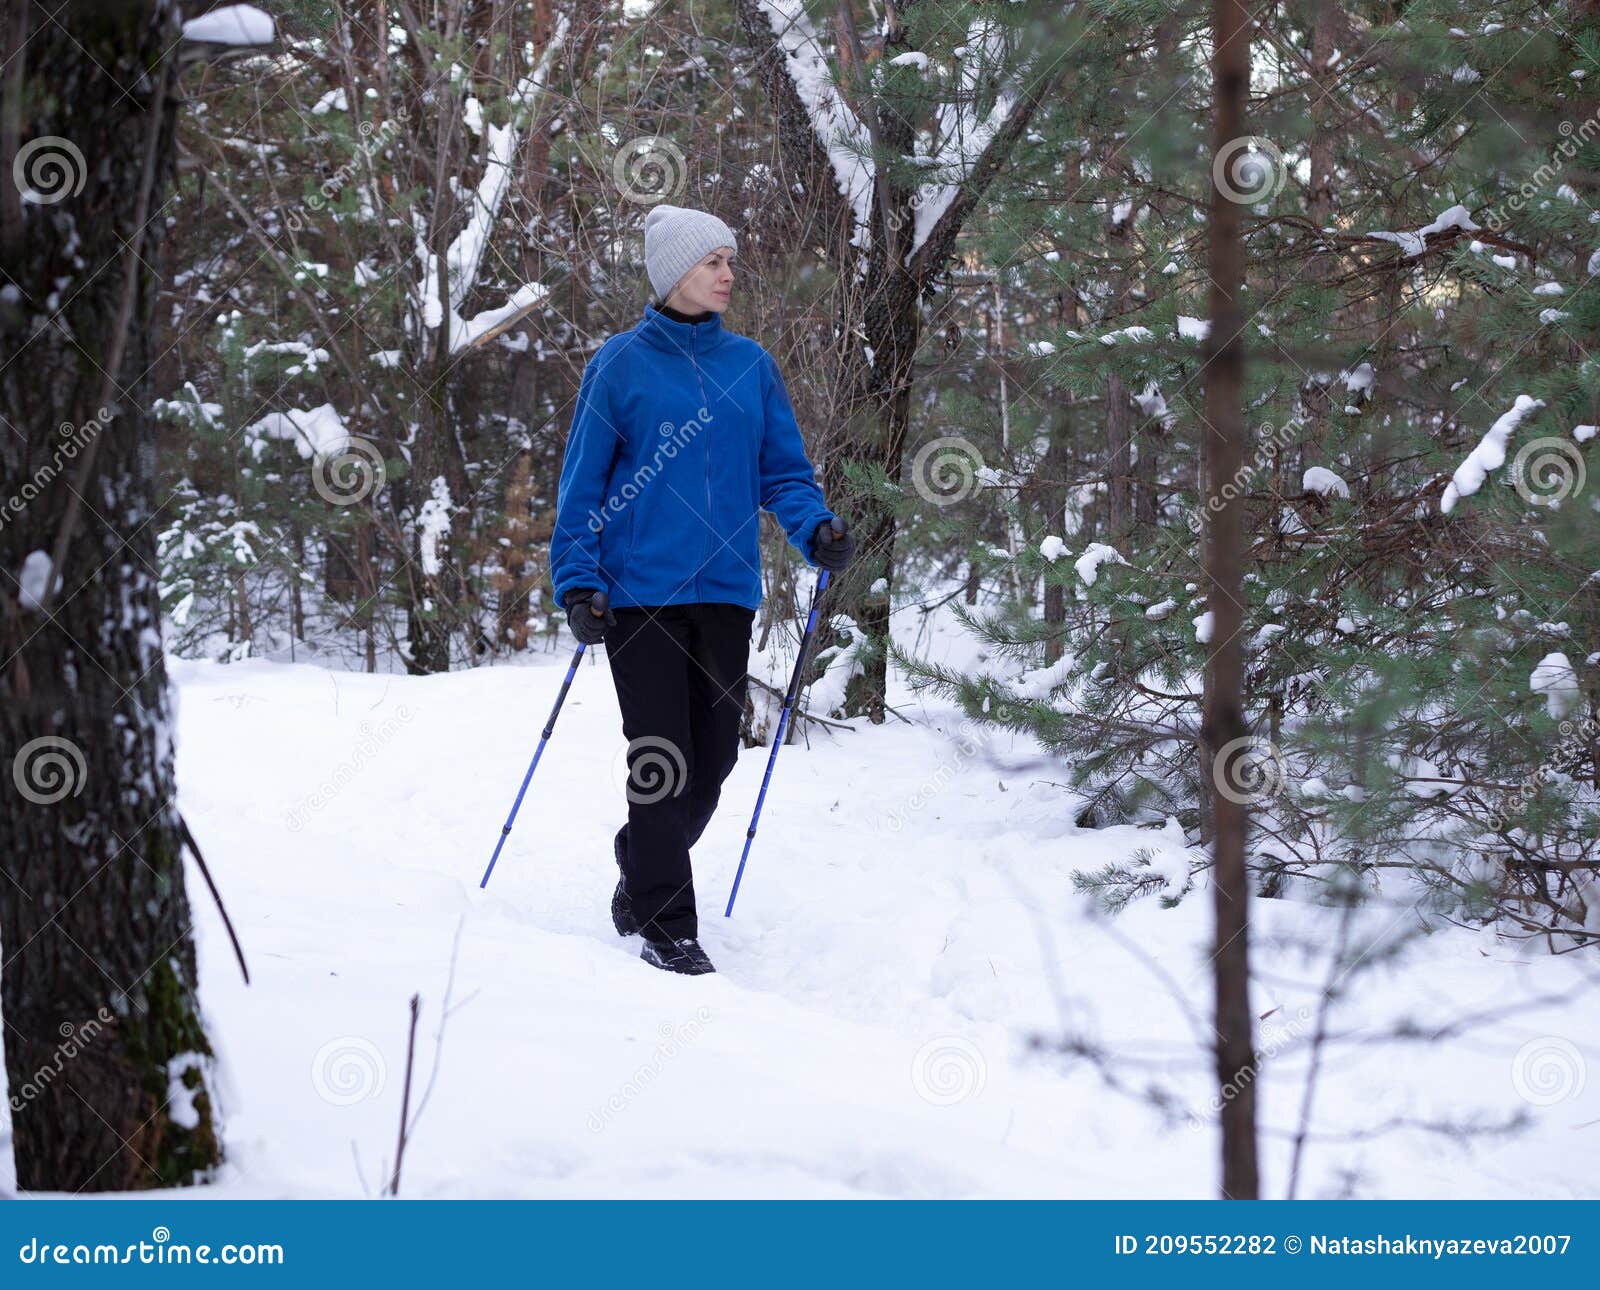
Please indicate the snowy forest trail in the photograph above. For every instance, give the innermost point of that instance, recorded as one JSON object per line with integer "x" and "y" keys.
{"x": 906, "y": 928}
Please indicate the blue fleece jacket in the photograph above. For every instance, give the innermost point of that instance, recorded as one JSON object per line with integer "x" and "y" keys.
{"x": 682, "y": 434}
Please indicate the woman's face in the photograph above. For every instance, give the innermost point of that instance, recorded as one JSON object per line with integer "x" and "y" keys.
{"x": 706, "y": 286}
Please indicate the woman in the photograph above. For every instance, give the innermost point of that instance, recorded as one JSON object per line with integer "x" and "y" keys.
{"x": 683, "y": 432}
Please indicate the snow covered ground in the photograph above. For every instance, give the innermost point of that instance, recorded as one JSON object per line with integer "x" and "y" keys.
{"x": 906, "y": 926}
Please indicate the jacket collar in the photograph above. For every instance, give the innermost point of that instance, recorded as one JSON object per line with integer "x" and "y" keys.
{"x": 681, "y": 338}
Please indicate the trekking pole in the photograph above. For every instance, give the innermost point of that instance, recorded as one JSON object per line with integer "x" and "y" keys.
{"x": 597, "y": 606}
{"x": 783, "y": 720}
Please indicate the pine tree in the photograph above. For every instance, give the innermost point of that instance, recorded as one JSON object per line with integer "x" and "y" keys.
{"x": 1419, "y": 618}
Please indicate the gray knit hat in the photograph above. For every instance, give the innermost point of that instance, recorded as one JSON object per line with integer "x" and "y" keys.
{"x": 675, "y": 240}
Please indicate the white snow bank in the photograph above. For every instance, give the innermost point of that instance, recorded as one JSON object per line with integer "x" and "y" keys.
{"x": 906, "y": 927}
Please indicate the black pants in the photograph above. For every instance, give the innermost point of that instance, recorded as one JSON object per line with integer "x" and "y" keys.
{"x": 680, "y": 677}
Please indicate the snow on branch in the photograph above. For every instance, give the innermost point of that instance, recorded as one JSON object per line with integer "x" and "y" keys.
{"x": 838, "y": 129}
{"x": 1416, "y": 243}
{"x": 1490, "y": 454}
{"x": 321, "y": 432}
{"x": 1557, "y": 680}
{"x": 963, "y": 138}
{"x": 465, "y": 255}
{"x": 1094, "y": 555}
{"x": 1319, "y": 479}
{"x": 484, "y": 327}
{"x": 234, "y": 25}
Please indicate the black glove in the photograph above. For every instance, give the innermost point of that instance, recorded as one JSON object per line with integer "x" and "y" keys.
{"x": 587, "y": 624}
{"x": 832, "y": 546}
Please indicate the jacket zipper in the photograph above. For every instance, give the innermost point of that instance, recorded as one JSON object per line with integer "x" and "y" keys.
{"x": 695, "y": 362}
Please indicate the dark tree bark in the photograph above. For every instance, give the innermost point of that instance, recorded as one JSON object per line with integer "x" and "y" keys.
{"x": 105, "y": 1052}
{"x": 1147, "y": 472}
{"x": 1119, "y": 406}
{"x": 1051, "y": 494}
{"x": 1119, "y": 460}
{"x": 1223, "y": 722}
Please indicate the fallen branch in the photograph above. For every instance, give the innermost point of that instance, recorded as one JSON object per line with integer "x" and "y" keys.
{"x": 798, "y": 712}
{"x": 205, "y": 872}
{"x": 405, "y": 1095}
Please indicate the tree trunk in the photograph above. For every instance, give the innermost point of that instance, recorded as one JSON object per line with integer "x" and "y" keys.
{"x": 1051, "y": 497}
{"x": 1223, "y": 726}
{"x": 880, "y": 300}
{"x": 105, "y": 1052}
{"x": 1119, "y": 461}
{"x": 428, "y": 608}
{"x": 878, "y": 413}
{"x": 1314, "y": 392}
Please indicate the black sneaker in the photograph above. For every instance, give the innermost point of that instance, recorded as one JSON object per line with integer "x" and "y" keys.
{"x": 681, "y": 955}
{"x": 622, "y": 912}
{"x": 622, "y": 917}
